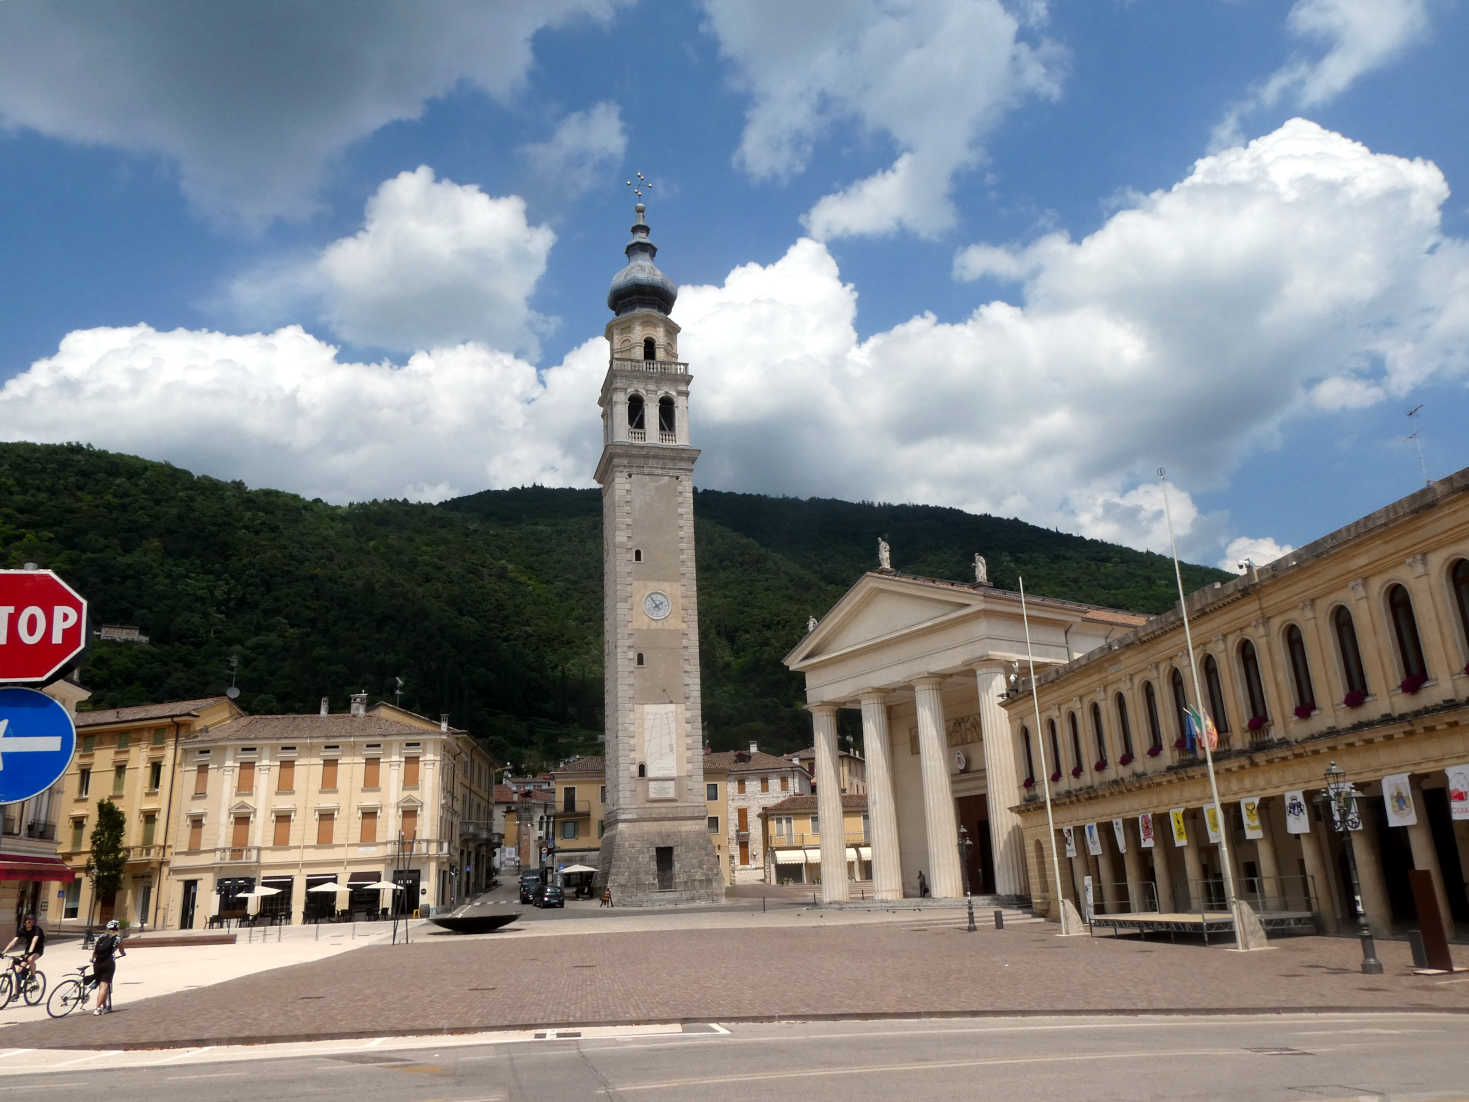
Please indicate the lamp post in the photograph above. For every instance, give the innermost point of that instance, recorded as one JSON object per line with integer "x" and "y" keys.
{"x": 1340, "y": 797}
{"x": 965, "y": 845}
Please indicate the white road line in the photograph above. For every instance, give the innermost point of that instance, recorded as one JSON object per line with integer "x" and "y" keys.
{"x": 50, "y": 1086}
{"x": 212, "y": 1075}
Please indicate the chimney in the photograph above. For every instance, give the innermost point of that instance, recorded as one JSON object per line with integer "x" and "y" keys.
{"x": 359, "y": 704}
{"x": 325, "y": 706}
{"x": 754, "y": 747}
{"x": 444, "y": 722}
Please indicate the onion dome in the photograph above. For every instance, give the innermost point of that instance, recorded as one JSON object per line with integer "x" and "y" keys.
{"x": 640, "y": 285}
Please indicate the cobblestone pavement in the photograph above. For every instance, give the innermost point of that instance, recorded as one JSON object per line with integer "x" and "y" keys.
{"x": 925, "y": 966}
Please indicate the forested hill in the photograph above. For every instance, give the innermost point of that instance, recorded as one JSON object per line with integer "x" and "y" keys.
{"x": 488, "y": 607}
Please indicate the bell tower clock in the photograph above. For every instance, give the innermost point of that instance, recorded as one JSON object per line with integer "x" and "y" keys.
{"x": 656, "y": 847}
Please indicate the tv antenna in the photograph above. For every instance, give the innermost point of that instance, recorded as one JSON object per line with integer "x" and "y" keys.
{"x": 233, "y": 691}
{"x": 1418, "y": 443}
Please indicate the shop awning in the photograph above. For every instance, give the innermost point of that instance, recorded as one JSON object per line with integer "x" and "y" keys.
{"x": 35, "y": 868}
{"x": 864, "y": 852}
{"x": 852, "y": 854}
{"x": 813, "y": 857}
{"x": 790, "y": 857}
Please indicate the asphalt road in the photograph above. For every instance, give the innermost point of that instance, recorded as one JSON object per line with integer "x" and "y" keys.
{"x": 1399, "y": 1056}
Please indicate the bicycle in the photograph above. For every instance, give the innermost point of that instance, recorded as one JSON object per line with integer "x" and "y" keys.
{"x": 72, "y": 992}
{"x": 15, "y": 983}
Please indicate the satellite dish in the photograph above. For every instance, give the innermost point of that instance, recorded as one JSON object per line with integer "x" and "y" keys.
{"x": 232, "y": 692}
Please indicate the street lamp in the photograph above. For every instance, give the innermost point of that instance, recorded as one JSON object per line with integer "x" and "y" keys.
{"x": 1340, "y": 799}
{"x": 965, "y": 845}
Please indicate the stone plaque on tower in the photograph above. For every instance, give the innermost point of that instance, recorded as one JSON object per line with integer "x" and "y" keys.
{"x": 656, "y": 846}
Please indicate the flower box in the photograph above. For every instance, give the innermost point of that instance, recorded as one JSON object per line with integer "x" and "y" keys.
{"x": 1256, "y": 722}
{"x": 1101, "y": 765}
{"x": 1354, "y": 699}
{"x": 1180, "y": 744}
{"x": 1125, "y": 759}
{"x": 1056, "y": 776}
{"x": 1076, "y": 770}
{"x": 1154, "y": 751}
{"x": 1029, "y": 782}
{"x": 1413, "y": 683}
{"x": 1304, "y": 711}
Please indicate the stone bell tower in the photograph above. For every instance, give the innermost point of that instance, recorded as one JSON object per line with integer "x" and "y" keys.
{"x": 656, "y": 847}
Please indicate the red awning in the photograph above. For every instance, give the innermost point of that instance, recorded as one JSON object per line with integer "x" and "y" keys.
{"x": 13, "y": 867}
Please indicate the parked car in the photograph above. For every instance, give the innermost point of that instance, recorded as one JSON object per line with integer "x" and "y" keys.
{"x": 550, "y": 895}
{"x": 529, "y": 882}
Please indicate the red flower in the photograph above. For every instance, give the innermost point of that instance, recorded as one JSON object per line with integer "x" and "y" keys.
{"x": 1125, "y": 759}
{"x": 1101, "y": 765}
{"x": 1256, "y": 722}
{"x": 1029, "y": 782}
{"x": 1076, "y": 771}
{"x": 1354, "y": 699}
{"x": 1303, "y": 711}
{"x": 1413, "y": 682}
{"x": 1154, "y": 751}
{"x": 1180, "y": 744}
{"x": 1056, "y": 776}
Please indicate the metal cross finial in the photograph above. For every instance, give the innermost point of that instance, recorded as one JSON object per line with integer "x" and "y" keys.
{"x": 637, "y": 189}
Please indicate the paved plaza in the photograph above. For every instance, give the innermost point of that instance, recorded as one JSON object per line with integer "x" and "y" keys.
{"x": 725, "y": 966}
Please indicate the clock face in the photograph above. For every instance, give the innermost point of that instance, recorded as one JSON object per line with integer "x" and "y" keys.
{"x": 657, "y": 605}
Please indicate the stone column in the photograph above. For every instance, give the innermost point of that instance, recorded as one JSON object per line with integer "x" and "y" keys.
{"x": 1162, "y": 871}
{"x": 882, "y": 808}
{"x": 938, "y": 798}
{"x": 1272, "y": 890}
{"x": 1193, "y": 863}
{"x": 1369, "y": 876}
{"x": 1002, "y": 779}
{"x": 1313, "y": 854}
{"x": 1106, "y": 873}
{"x": 1132, "y": 867}
{"x": 829, "y": 805}
{"x": 1425, "y": 856}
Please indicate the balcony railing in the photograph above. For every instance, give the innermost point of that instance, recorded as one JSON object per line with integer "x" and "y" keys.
{"x": 653, "y": 367}
{"x": 146, "y": 853}
{"x": 573, "y": 810}
{"x": 46, "y": 832}
{"x": 237, "y": 855}
{"x": 851, "y": 838}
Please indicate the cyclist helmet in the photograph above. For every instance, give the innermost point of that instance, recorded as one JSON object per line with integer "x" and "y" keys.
{"x": 112, "y": 924}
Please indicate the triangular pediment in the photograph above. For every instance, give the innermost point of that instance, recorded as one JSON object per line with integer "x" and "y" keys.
{"x": 881, "y": 607}
{"x": 410, "y": 802}
{"x": 242, "y": 807}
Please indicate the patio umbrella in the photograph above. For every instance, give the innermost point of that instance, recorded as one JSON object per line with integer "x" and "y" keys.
{"x": 380, "y": 885}
{"x": 331, "y": 886}
{"x": 578, "y": 868}
{"x": 259, "y": 893}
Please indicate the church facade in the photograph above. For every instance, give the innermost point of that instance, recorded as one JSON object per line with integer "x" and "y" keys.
{"x": 656, "y": 848}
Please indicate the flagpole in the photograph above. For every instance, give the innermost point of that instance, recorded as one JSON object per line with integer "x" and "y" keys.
{"x": 1045, "y": 769}
{"x": 1193, "y": 666}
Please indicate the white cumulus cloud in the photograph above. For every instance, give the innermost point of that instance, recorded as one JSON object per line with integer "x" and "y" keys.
{"x": 435, "y": 263}
{"x": 929, "y": 78}
{"x": 584, "y": 147}
{"x": 1256, "y": 549}
{"x": 252, "y": 102}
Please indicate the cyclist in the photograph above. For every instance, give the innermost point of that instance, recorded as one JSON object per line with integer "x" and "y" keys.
{"x": 104, "y": 964}
{"x": 32, "y": 940}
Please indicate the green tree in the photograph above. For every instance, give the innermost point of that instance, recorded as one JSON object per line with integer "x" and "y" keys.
{"x": 107, "y": 851}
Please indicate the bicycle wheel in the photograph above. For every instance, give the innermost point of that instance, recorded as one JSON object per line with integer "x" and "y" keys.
{"x": 66, "y": 996}
{"x": 34, "y": 988}
{"x": 7, "y": 989}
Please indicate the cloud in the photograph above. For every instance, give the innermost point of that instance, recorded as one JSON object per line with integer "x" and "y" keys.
{"x": 585, "y": 146}
{"x": 1187, "y": 331}
{"x": 929, "y": 77}
{"x": 253, "y": 102}
{"x": 1357, "y": 36}
{"x": 281, "y": 409}
{"x": 436, "y": 263}
{"x": 1256, "y": 549}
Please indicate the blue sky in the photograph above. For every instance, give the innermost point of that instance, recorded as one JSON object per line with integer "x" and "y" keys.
{"x": 1005, "y": 256}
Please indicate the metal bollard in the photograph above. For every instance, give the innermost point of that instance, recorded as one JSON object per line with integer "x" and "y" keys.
{"x": 999, "y": 920}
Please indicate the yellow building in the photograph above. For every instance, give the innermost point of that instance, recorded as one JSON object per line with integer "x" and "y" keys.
{"x": 1349, "y": 650}
{"x": 313, "y": 808}
{"x": 130, "y": 756}
{"x": 791, "y": 840}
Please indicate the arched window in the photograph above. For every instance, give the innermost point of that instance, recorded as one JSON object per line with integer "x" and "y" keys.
{"x": 1155, "y": 730}
{"x": 1351, "y": 656}
{"x": 635, "y": 412}
{"x": 650, "y": 349}
{"x": 1216, "y": 694}
{"x": 1459, "y": 580}
{"x": 1075, "y": 743}
{"x": 1405, "y": 628}
{"x": 1300, "y": 669}
{"x": 642, "y": 769}
{"x": 1250, "y": 666}
{"x": 1124, "y": 727}
{"x": 1097, "y": 733}
{"x": 1029, "y": 758}
{"x": 665, "y": 416}
{"x": 1180, "y": 702}
{"x": 1055, "y": 750}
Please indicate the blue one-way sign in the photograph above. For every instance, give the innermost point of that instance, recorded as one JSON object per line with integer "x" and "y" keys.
{"x": 37, "y": 739}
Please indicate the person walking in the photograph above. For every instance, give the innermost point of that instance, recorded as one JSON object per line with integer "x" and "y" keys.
{"x": 104, "y": 964}
{"x": 922, "y": 885}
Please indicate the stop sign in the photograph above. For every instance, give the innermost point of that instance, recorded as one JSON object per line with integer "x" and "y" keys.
{"x": 43, "y": 624}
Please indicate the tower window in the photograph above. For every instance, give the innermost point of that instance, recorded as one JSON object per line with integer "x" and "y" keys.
{"x": 642, "y": 769}
{"x": 640, "y": 658}
{"x": 635, "y": 411}
{"x": 637, "y": 554}
{"x": 665, "y": 415}
{"x": 650, "y": 350}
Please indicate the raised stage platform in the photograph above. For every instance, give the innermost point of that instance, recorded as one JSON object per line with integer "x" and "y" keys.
{"x": 1205, "y": 923}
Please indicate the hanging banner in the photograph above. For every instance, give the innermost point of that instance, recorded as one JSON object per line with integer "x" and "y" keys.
{"x": 1093, "y": 840}
{"x": 1297, "y": 818}
{"x": 1249, "y": 813}
{"x": 1069, "y": 833}
{"x": 1397, "y": 793}
{"x": 1145, "y": 831}
{"x": 1458, "y": 790}
{"x": 1211, "y": 823}
{"x": 1120, "y": 833}
{"x": 1180, "y": 832}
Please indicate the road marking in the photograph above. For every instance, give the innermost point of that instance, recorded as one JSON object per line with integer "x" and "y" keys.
{"x": 179, "y": 1057}
{"x": 49, "y": 1085}
{"x": 1354, "y": 1032}
{"x": 211, "y": 1075}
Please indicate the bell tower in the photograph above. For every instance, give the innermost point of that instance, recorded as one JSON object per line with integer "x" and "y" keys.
{"x": 656, "y": 847}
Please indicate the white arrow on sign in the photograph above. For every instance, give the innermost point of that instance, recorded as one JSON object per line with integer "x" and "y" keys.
{"x": 50, "y": 744}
